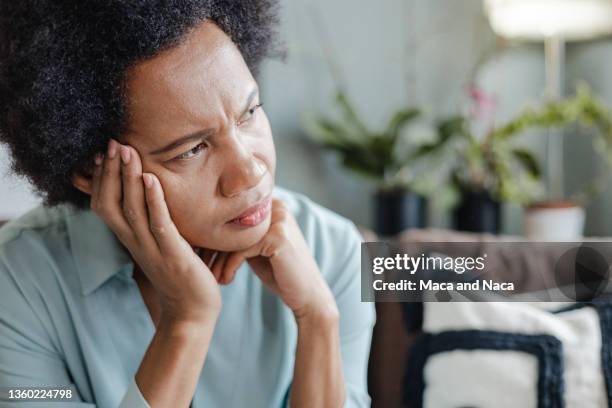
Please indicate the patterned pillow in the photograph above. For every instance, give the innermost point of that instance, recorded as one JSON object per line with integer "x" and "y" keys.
{"x": 502, "y": 354}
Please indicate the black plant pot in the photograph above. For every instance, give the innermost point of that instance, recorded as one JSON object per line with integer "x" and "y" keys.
{"x": 478, "y": 212}
{"x": 398, "y": 210}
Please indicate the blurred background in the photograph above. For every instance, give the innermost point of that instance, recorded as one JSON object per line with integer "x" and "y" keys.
{"x": 451, "y": 82}
{"x": 431, "y": 55}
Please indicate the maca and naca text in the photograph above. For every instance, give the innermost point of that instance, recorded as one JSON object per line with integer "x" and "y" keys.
{"x": 413, "y": 264}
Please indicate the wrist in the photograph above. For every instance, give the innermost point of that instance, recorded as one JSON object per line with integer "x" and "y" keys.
{"x": 321, "y": 311}
{"x": 192, "y": 326}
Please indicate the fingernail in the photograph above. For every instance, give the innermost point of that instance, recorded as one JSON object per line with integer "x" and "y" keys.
{"x": 112, "y": 149}
{"x": 98, "y": 159}
{"x": 125, "y": 154}
{"x": 148, "y": 180}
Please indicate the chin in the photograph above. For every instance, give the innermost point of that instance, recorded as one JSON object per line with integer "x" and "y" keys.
{"x": 231, "y": 238}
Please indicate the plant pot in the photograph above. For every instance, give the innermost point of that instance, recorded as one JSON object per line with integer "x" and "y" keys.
{"x": 554, "y": 221}
{"x": 398, "y": 210}
{"x": 478, "y": 212}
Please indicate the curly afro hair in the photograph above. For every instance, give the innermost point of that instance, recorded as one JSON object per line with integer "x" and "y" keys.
{"x": 63, "y": 66}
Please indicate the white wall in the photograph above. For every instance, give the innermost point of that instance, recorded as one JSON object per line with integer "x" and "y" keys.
{"x": 16, "y": 197}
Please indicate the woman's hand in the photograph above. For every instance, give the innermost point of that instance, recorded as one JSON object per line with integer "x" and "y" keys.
{"x": 132, "y": 204}
{"x": 282, "y": 260}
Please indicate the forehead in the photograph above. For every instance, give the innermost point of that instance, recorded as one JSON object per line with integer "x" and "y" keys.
{"x": 191, "y": 83}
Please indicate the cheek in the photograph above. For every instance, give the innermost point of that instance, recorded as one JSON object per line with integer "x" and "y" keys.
{"x": 189, "y": 202}
{"x": 179, "y": 193}
{"x": 265, "y": 146}
{"x": 270, "y": 154}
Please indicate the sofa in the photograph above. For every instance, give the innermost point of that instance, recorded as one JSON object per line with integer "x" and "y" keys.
{"x": 399, "y": 325}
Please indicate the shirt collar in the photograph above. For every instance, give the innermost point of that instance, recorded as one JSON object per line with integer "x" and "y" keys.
{"x": 97, "y": 252}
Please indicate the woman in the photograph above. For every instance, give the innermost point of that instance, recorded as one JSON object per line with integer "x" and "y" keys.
{"x": 165, "y": 269}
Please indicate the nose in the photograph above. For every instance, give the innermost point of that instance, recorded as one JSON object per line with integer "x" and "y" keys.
{"x": 242, "y": 170}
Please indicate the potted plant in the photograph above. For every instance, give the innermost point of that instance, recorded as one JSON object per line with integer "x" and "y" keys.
{"x": 564, "y": 219}
{"x": 492, "y": 169}
{"x": 485, "y": 172}
{"x": 384, "y": 158}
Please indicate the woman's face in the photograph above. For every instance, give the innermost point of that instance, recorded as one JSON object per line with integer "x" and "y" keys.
{"x": 195, "y": 120}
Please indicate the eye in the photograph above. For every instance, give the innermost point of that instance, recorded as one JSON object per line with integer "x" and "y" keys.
{"x": 191, "y": 153}
{"x": 249, "y": 114}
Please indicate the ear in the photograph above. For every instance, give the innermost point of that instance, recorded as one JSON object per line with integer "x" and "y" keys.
{"x": 82, "y": 181}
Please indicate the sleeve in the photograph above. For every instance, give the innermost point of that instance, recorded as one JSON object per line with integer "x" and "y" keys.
{"x": 133, "y": 397}
{"x": 357, "y": 319}
{"x": 28, "y": 357}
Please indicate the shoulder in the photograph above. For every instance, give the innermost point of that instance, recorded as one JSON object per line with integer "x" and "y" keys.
{"x": 38, "y": 221}
{"x": 32, "y": 247}
{"x": 31, "y": 239}
{"x": 28, "y": 245}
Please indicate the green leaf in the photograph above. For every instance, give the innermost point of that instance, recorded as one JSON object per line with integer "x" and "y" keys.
{"x": 399, "y": 120}
{"x": 452, "y": 126}
{"x": 361, "y": 165}
{"x": 528, "y": 160}
{"x": 448, "y": 129}
{"x": 350, "y": 113}
{"x": 332, "y": 135}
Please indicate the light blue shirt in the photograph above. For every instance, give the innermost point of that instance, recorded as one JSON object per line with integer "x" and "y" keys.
{"x": 71, "y": 315}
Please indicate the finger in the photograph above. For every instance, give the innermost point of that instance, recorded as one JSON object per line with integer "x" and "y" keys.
{"x": 134, "y": 204}
{"x": 234, "y": 260}
{"x": 229, "y": 276}
{"x": 263, "y": 270}
{"x": 208, "y": 256}
{"x": 212, "y": 258}
{"x": 108, "y": 201}
{"x": 217, "y": 269}
{"x": 95, "y": 179}
{"x": 279, "y": 210}
{"x": 161, "y": 225}
{"x": 229, "y": 272}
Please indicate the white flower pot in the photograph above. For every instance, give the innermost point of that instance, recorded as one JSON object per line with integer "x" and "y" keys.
{"x": 554, "y": 221}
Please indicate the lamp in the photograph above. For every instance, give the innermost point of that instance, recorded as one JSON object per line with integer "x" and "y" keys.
{"x": 573, "y": 20}
{"x": 554, "y": 22}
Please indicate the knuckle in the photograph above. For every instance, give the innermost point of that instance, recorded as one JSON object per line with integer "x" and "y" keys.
{"x": 158, "y": 229}
{"x": 131, "y": 215}
{"x": 282, "y": 229}
{"x": 269, "y": 250}
{"x": 282, "y": 210}
{"x": 130, "y": 172}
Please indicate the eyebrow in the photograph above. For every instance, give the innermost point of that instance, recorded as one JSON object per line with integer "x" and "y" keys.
{"x": 201, "y": 134}
{"x": 250, "y": 98}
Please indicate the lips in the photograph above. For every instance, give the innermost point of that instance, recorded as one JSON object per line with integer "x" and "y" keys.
{"x": 254, "y": 215}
